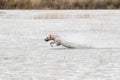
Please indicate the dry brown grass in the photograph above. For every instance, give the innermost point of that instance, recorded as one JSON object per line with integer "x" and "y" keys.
{"x": 50, "y": 16}
{"x": 15, "y": 4}
{"x": 59, "y": 4}
{"x": 54, "y": 15}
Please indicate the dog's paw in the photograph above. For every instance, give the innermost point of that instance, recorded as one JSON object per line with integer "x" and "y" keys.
{"x": 51, "y": 44}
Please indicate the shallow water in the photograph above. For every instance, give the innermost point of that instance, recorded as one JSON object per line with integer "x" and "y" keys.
{"x": 25, "y": 56}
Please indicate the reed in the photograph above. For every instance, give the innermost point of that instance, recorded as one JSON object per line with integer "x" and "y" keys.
{"x": 59, "y": 4}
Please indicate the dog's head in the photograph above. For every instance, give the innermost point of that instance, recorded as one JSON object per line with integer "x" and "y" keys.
{"x": 50, "y": 37}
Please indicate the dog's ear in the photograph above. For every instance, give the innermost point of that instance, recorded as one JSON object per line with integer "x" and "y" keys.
{"x": 50, "y": 36}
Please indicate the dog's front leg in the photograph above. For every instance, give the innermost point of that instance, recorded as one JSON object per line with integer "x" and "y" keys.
{"x": 58, "y": 44}
{"x": 52, "y": 43}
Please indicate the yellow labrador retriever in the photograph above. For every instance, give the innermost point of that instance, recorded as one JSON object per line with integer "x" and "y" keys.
{"x": 58, "y": 40}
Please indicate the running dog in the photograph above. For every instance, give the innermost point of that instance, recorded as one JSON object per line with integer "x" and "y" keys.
{"x": 54, "y": 38}
{"x": 59, "y": 41}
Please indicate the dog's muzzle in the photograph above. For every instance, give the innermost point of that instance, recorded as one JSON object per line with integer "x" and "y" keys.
{"x": 46, "y": 40}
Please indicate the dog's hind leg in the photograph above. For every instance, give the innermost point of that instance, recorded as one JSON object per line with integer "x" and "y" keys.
{"x": 52, "y": 43}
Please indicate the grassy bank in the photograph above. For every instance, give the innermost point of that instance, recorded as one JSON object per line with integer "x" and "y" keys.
{"x": 59, "y": 4}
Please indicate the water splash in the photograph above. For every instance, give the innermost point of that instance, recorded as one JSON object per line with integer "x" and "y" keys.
{"x": 91, "y": 40}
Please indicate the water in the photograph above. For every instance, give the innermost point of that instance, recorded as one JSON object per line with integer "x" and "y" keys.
{"x": 25, "y": 56}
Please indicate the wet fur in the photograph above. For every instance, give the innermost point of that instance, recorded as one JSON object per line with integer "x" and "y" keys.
{"x": 54, "y": 38}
